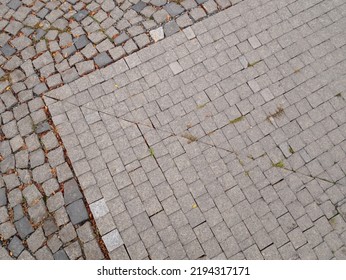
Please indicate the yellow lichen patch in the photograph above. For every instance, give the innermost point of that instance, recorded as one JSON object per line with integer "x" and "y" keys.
{"x": 239, "y": 119}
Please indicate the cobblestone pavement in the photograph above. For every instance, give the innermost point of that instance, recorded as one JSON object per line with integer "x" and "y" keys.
{"x": 223, "y": 140}
{"x": 58, "y": 41}
{"x": 44, "y": 44}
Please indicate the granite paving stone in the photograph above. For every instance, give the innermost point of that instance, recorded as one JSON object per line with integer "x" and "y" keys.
{"x": 112, "y": 240}
{"x": 24, "y": 228}
{"x": 77, "y": 212}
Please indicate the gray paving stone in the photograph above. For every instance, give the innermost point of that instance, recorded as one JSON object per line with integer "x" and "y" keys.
{"x": 36, "y": 240}
{"x": 130, "y": 46}
{"x": 38, "y": 212}
{"x": 211, "y": 248}
{"x": 119, "y": 254}
{"x": 117, "y": 52}
{"x": 137, "y": 251}
{"x": 85, "y": 232}
{"x": 139, "y": 6}
{"x": 3, "y": 214}
{"x": 42, "y": 60}
{"x": 173, "y": 9}
{"x": 71, "y": 192}
{"x": 112, "y": 240}
{"x": 157, "y": 34}
{"x": 210, "y": 6}
{"x": 15, "y": 197}
{"x": 92, "y": 251}
{"x": 3, "y": 197}
{"x": 24, "y": 228}
{"x": 56, "y": 157}
{"x": 85, "y": 67}
{"x": 7, "y": 50}
{"x": 37, "y": 158}
{"x": 171, "y": 28}
{"x": 197, "y": 13}
{"x": 55, "y": 202}
{"x": 123, "y": 37}
{"x": 102, "y": 59}
{"x": 42, "y": 127}
{"x": 16, "y": 246}
{"x": 42, "y": 173}
{"x": 14, "y": 4}
{"x": 44, "y": 254}
{"x": 99, "y": 208}
{"x": 80, "y": 15}
{"x": 77, "y": 212}
{"x": 81, "y": 42}
{"x": 49, "y": 226}
{"x": 7, "y": 230}
{"x": 61, "y": 216}
{"x": 4, "y": 254}
{"x": 67, "y": 233}
{"x": 158, "y": 3}
{"x": 64, "y": 172}
{"x": 50, "y": 186}
{"x": 73, "y": 250}
{"x": 60, "y": 255}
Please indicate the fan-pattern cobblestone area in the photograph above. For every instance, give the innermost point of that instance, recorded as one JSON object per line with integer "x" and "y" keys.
{"x": 225, "y": 140}
{"x": 46, "y": 43}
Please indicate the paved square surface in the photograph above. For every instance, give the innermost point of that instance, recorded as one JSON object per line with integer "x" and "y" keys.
{"x": 225, "y": 140}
